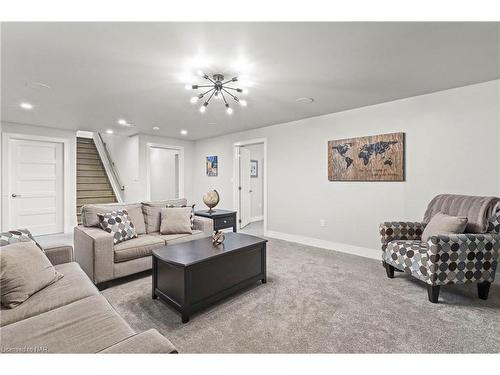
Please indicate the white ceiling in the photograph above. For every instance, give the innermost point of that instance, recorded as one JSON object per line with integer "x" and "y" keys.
{"x": 100, "y": 72}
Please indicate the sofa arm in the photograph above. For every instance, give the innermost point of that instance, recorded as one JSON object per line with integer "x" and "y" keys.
{"x": 148, "y": 342}
{"x": 204, "y": 224}
{"x": 94, "y": 252}
{"x": 59, "y": 254}
{"x": 463, "y": 258}
{"x": 400, "y": 230}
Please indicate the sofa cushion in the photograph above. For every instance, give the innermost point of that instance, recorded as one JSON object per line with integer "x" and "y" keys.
{"x": 88, "y": 325}
{"x": 74, "y": 286}
{"x": 90, "y": 211}
{"x": 171, "y": 239}
{"x": 118, "y": 224}
{"x": 137, "y": 248}
{"x": 24, "y": 270}
{"x": 410, "y": 256}
{"x": 151, "y": 211}
{"x": 176, "y": 220}
{"x": 444, "y": 224}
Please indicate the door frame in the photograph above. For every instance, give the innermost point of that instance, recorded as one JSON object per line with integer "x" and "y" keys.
{"x": 236, "y": 177}
{"x": 7, "y": 167}
{"x": 149, "y": 146}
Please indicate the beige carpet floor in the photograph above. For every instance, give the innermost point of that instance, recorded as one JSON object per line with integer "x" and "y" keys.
{"x": 322, "y": 301}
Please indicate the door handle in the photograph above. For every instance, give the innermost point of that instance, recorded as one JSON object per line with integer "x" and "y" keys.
{"x": 14, "y": 195}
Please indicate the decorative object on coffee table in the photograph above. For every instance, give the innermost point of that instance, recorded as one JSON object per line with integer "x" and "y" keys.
{"x": 373, "y": 158}
{"x": 218, "y": 237}
{"x": 222, "y": 218}
{"x": 211, "y": 199}
{"x": 212, "y": 166}
{"x": 254, "y": 168}
{"x": 187, "y": 275}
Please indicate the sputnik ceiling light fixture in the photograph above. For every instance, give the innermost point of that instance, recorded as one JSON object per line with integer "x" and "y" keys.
{"x": 217, "y": 88}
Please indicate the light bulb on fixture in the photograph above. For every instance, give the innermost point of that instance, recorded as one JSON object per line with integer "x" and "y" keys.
{"x": 26, "y": 106}
{"x": 194, "y": 99}
{"x": 229, "y": 110}
{"x": 244, "y": 91}
{"x": 188, "y": 87}
{"x": 243, "y": 103}
{"x": 203, "y": 108}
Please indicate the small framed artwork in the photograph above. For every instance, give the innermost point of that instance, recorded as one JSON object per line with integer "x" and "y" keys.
{"x": 254, "y": 168}
{"x": 212, "y": 166}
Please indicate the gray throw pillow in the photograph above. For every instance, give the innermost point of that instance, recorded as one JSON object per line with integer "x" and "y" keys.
{"x": 444, "y": 224}
{"x": 176, "y": 220}
{"x": 24, "y": 270}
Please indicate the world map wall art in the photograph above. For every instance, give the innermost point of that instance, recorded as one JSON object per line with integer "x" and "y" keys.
{"x": 373, "y": 158}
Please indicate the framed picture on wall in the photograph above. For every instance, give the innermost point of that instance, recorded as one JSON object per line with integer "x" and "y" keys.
{"x": 212, "y": 166}
{"x": 371, "y": 158}
{"x": 254, "y": 168}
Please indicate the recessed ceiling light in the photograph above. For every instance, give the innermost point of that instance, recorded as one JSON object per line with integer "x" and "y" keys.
{"x": 156, "y": 128}
{"x": 305, "y": 100}
{"x": 184, "y": 132}
{"x": 122, "y": 122}
{"x": 27, "y": 106}
{"x": 109, "y": 131}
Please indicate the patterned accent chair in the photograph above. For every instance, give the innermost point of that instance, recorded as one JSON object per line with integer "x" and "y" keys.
{"x": 443, "y": 259}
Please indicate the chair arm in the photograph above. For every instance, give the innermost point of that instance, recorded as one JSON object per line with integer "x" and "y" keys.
{"x": 204, "y": 224}
{"x": 147, "y": 342}
{"x": 94, "y": 252}
{"x": 400, "y": 230}
{"x": 461, "y": 258}
{"x": 59, "y": 254}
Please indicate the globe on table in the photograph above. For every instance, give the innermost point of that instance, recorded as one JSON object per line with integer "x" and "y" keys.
{"x": 211, "y": 199}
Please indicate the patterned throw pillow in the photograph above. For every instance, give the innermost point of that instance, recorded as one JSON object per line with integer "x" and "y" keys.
{"x": 118, "y": 224}
{"x": 494, "y": 222}
{"x": 192, "y": 212}
{"x": 14, "y": 236}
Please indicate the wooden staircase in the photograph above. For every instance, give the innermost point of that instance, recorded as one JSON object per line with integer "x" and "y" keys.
{"x": 92, "y": 183}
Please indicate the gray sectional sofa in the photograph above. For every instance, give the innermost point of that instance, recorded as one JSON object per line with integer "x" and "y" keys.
{"x": 71, "y": 316}
{"x": 103, "y": 261}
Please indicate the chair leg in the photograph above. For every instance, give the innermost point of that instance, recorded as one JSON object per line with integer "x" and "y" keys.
{"x": 433, "y": 293}
{"x": 389, "y": 270}
{"x": 483, "y": 289}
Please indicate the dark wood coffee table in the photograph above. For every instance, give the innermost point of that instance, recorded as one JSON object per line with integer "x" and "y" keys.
{"x": 192, "y": 275}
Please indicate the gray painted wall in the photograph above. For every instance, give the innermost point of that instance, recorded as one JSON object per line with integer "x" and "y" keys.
{"x": 452, "y": 142}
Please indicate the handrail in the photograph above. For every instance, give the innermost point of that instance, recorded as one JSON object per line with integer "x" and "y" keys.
{"x": 116, "y": 177}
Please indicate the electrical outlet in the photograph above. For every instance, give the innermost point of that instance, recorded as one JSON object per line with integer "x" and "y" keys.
{"x": 322, "y": 223}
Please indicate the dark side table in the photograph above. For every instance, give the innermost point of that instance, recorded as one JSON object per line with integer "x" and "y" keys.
{"x": 222, "y": 218}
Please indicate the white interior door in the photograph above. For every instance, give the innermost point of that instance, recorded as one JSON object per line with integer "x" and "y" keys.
{"x": 164, "y": 173}
{"x": 245, "y": 197}
{"x": 36, "y": 186}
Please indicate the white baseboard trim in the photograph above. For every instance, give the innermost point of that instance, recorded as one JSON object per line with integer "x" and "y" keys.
{"x": 256, "y": 218}
{"x": 316, "y": 242}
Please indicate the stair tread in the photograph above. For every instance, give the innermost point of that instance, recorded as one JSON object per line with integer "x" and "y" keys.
{"x": 89, "y": 161}
{"x": 84, "y": 140}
